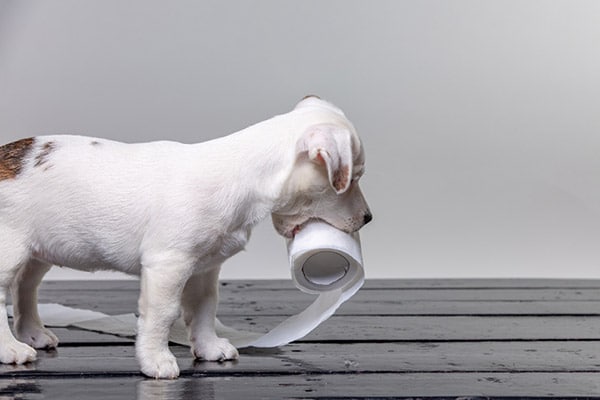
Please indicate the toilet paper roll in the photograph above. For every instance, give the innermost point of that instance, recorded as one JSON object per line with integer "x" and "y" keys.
{"x": 323, "y": 258}
{"x": 323, "y": 261}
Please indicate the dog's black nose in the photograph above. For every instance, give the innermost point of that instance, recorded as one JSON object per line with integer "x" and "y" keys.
{"x": 368, "y": 218}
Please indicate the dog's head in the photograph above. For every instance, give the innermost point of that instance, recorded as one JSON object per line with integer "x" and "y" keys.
{"x": 323, "y": 184}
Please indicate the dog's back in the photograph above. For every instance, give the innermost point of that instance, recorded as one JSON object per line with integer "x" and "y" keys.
{"x": 70, "y": 195}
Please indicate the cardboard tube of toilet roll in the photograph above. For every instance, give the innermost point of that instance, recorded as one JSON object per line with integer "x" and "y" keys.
{"x": 323, "y": 261}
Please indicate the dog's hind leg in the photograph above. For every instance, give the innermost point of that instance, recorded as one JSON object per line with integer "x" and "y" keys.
{"x": 199, "y": 302}
{"x": 27, "y": 323}
{"x": 13, "y": 257}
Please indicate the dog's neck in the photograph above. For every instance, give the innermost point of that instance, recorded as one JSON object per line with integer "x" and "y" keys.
{"x": 262, "y": 158}
{"x": 246, "y": 169}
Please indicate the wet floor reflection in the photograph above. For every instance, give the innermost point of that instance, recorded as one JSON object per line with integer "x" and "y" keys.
{"x": 196, "y": 388}
{"x": 9, "y": 369}
{"x": 19, "y": 389}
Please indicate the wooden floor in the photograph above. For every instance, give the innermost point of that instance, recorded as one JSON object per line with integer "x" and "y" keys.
{"x": 394, "y": 339}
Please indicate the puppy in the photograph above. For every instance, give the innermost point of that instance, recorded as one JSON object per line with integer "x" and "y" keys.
{"x": 169, "y": 212}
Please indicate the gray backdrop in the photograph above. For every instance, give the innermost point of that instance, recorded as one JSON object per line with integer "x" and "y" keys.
{"x": 480, "y": 119}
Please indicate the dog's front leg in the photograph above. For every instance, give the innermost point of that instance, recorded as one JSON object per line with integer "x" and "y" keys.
{"x": 162, "y": 281}
{"x": 199, "y": 301}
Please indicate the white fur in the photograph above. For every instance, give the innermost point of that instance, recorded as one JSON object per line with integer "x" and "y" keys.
{"x": 171, "y": 213}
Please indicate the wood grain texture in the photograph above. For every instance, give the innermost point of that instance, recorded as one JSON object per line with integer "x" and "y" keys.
{"x": 395, "y": 339}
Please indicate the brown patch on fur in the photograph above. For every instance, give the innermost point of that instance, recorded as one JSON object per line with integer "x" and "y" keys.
{"x": 12, "y": 157}
{"x": 95, "y": 143}
{"x": 42, "y": 156}
{"x": 341, "y": 177}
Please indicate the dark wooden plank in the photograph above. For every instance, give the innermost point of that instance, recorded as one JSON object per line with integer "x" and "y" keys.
{"x": 356, "y": 307}
{"x": 363, "y": 328}
{"x": 393, "y": 295}
{"x": 493, "y": 283}
{"x": 249, "y": 301}
{"x": 384, "y": 328}
{"x": 423, "y": 302}
{"x": 379, "y": 386}
{"x": 78, "y": 337}
{"x": 94, "y": 285}
{"x": 109, "y": 302}
{"x": 434, "y": 284}
{"x": 333, "y": 386}
{"x": 430, "y": 284}
{"x": 364, "y": 303}
{"x": 568, "y": 356}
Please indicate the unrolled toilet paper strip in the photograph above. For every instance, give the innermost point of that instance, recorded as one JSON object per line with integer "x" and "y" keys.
{"x": 323, "y": 260}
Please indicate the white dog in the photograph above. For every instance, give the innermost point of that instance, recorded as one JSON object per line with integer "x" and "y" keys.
{"x": 169, "y": 212}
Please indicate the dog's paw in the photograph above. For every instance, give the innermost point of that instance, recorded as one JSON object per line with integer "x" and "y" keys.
{"x": 14, "y": 352}
{"x": 160, "y": 365}
{"x": 215, "y": 349}
{"x": 37, "y": 336}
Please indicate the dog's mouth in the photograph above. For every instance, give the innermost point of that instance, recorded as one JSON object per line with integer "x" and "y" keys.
{"x": 299, "y": 227}
{"x": 296, "y": 229}
{"x": 289, "y": 230}
{"x": 290, "y": 234}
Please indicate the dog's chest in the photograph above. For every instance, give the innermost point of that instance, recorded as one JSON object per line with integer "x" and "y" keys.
{"x": 227, "y": 245}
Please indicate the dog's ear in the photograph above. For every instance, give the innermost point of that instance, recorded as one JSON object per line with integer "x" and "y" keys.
{"x": 331, "y": 146}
